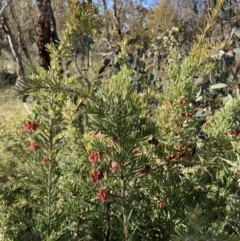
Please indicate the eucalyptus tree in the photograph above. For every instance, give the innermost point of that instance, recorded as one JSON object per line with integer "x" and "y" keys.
{"x": 27, "y": 23}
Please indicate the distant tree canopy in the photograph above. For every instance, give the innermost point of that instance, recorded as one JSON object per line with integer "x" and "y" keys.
{"x": 119, "y": 18}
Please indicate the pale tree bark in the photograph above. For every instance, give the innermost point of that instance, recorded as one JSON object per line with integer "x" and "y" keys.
{"x": 127, "y": 14}
{"x": 116, "y": 17}
{"x": 4, "y": 7}
{"x": 21, "y": 39}
{"x": 107, "y": 22}
{"x": 46, "y": 31}
{"x": 12, "y": 42}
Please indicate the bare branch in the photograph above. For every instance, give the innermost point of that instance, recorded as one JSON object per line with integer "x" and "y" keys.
{"x": 116, "y": 17}
{"x": 12, "y": 42}
{"x": 105, "y": 40}
{"x": 14, "y": 47}
{"x": 105, "y": 54}
{"x": 4, "y": 7}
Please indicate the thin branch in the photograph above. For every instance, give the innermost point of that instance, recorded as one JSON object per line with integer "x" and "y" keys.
{"x": 12, "y": 42}
{"x": 105, "y": 54}
{"x": 228, "y": 162}
{"x": 4, "y": 7}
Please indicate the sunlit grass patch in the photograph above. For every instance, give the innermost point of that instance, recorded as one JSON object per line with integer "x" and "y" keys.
{"x": 11, "y": 105}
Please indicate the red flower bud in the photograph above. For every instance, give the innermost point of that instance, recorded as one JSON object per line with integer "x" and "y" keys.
{"x": 33, "y": 147}
{"x": 46, "y": 159}
{"x": 103, "y": 195}
{"x": 96, "y": 176}
{"x": 115, "y": 166}
{"x": 93, "y": 157}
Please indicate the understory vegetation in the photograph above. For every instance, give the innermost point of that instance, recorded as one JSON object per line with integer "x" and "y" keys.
{"x": 146, "y": 147}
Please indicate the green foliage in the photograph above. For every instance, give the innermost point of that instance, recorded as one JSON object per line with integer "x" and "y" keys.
{"x": 196, "y": 229}
{"x": 110, "y": 161}
{"x": 82, "y": 18}
{"x": 150, "y": 62}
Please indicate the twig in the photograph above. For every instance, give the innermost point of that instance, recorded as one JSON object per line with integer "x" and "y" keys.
{"x": 4, "y": 7}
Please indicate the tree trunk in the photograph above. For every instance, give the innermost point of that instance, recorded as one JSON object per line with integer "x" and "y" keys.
{"x": 13, "y": 43}
{"x": 46, "y": 31}
{"x": 21, "y": 41}
{"x": 116, "y": 17}
{"x": 107, "y": 22}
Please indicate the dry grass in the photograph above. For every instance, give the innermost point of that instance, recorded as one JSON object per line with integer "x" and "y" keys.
{"x": 11, "y": 106}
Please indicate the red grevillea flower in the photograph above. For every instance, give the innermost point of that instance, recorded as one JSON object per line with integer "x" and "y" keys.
{"x": 96, "y": 176}
{"x": 103, "y": 195}
{"x": 46, "y": 159}
{"x": 146, "y": 169}
{"x": 115, "y": 166}
{"x": 93, "y": 157}
{"x": 30, "y": 126}
{"x": 33, "y": 147}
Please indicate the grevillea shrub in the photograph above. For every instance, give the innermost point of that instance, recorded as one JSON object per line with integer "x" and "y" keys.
{"x": 115, "y": 164}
